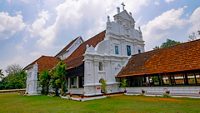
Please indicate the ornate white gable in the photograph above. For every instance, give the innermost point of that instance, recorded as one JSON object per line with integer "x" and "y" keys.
{"x": 121, "y": 41}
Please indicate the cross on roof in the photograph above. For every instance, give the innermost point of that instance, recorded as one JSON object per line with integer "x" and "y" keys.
{"x": 123, "y": 5}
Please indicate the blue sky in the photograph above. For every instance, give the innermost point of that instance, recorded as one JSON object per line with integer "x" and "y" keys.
{"x": 31, "y": 28}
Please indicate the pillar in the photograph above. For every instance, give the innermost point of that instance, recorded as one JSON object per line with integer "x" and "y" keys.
{"x": 68, "y": 82}
{"x": 77, "y": 81}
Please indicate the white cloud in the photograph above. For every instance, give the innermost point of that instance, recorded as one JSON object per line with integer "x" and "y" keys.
{"x": 38, "y": 29}
{"x": 25, "y": 1}
{"x": 86, "y": 16}
{"x": 37, "y": 26}
{"x": 73, "y": 14}
{"x": 9, "y": 25}
{"x": 161, "y": 27}
{"x": 169, "y": 1}
{"x": 157, "y": 3}
{"x": 195, "y": 21}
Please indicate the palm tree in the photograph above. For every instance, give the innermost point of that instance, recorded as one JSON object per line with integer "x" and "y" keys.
{"x": 58, "y": 75}
{"x": 45, "y": 81}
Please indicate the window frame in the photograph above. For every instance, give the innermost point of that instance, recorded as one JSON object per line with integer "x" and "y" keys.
{"x": 101, "y": 66}
{"x": 116, "y": 49}
{"x": 128, "y": 47}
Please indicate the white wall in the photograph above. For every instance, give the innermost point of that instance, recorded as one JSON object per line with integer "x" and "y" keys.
{"x": 116, "y": 34}
{"x": 174, "y": 91}
{"x": 32, "y": 80}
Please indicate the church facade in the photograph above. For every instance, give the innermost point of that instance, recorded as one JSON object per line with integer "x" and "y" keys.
{"x": 100, "y": 57}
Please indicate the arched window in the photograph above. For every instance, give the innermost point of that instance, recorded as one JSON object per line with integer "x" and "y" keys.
{"x": 100, "y": 66}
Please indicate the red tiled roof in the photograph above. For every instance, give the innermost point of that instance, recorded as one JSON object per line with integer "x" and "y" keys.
{"x": 66, "y": 47}
{"x": 182, "y": 57}
{"x": 76, "y": 58}
{"x": 44, "y": 63}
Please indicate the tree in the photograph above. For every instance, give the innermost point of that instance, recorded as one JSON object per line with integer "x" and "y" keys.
{"x": 15, "y": 79}
{"x": 156, "y": 47}
{"x": 168, "y": 43}
{"x": 1, "y": 74}
{"x": 14, "y": 68}
{"x": 192, "y": 37}
{"x": 58, "y": 77}
{"x": 45, "y": 81}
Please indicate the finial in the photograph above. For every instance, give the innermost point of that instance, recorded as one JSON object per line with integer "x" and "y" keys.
{"x": 108, "y": 18}
{"x": 130, "y": 13}
{"x": 139, "y": 28}
{"x": 123, "y": 5}
{"x": 118, "y": 10}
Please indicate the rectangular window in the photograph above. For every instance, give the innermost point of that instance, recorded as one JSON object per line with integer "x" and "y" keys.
{"x": 191, "y": 78}
{"x": 198, "y": 77}
{"x": 100, "y": 66}
{"x": 128, "y": 47}
{"x": 116, "y": 50}
{"x": 166, "y": 80}
{"x": 179, "y": 79}
{"x": 73, "y": 82}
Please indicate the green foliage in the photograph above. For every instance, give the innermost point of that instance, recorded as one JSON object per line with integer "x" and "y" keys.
{"x": 103, "y": 86}
{"x": 124, "y": 83}
{"x": 45, "y": 81}
{"x": 156, "y": 47}
{"x": 1, "y": 74}
{"x": 58, "y": 77}
{"x": 155, "y": 80}
{"x": 14, "y": 80}
{"x": 168, "y": 43}
{"x": 166, "y": 95}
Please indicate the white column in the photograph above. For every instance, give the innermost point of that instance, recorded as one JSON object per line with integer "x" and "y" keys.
{"x": 68, "y": 82}
{"x": 95, "y": 73}
{"x": 77, "y": 81}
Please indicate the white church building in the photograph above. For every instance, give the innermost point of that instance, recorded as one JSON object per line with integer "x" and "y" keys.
{"x": 100, "y": 57}
{"x": 117, "y": 53}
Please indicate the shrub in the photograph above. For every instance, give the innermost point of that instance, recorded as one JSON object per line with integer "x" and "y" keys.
{"x": 124, "y": 84}
{"x": 103, "y": 86}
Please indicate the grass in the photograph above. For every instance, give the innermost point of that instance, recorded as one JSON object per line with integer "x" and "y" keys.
{"x": 14, "y": 103}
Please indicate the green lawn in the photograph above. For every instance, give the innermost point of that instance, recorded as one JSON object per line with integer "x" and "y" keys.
{"x": 14, "y": 103}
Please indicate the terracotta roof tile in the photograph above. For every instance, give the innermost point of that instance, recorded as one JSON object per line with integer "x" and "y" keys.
{"x": 182, "y": 57}
{"x": 44, "y": 63}
{"x": 76, "y": 58}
